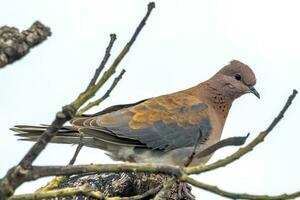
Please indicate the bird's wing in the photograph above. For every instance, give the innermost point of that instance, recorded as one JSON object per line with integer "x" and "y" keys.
{"x": 164, "y": 123}
{"x": 113, "y": 108}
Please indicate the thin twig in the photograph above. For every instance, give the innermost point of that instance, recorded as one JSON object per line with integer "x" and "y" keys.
{"x": 58, "y": 179}
{"x": 78, "y": 148}
{"x": 242, "y": 151}
{"x": 191, "y": 157}
{"x": 146, "y": 195}
{"x": 118, "y": 59}
{"x": 206, "y": 152}
{"x": 93, "y": 81}
{"x": 105, "y": 96}
{"x": 232, "y": 141}
{"x": 232, "y": 195}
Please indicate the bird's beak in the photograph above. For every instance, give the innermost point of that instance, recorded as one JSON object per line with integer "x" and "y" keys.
{"x": 253, "y": 91}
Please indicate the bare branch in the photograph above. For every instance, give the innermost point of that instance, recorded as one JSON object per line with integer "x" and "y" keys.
{"x": 232, "y": 141}
{"x": 244, "y": 150}
{"x": 14, "y": 45}
{"x": 191, "y": 157}
{"x": 17, "y": 175}
{"x": 93, "y": 81}
{"x": 232, "y": 195}
{"x": 43, "y": 171}
{"x": 107, "y": 74}
{"x": 105, "y": 96}
{"x": 78, "y": 148}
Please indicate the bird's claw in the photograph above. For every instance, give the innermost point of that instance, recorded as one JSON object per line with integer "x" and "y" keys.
{"x": 186, "y": 190}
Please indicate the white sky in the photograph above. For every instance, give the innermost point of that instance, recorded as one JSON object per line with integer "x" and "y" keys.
{"x": 183, "y": 43}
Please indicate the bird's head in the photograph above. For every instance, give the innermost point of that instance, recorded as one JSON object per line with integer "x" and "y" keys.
{"x": 236, "y": 79}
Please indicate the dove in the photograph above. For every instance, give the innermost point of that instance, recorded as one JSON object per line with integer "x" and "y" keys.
{"x": 162, "y": 129}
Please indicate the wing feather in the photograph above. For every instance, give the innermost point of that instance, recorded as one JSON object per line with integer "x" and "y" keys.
{"x": 164, "y": 123}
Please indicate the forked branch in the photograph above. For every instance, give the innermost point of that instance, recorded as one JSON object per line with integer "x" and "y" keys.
{"x": 17, "y": 175}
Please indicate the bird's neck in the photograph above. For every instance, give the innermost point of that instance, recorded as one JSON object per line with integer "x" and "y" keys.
{"x": 214, "y": 97}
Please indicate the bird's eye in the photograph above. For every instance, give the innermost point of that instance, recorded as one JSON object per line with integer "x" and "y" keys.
{"x": 238, "y": 77}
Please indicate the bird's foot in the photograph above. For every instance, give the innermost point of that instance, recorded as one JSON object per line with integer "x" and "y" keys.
{"x": 186, "y": 190}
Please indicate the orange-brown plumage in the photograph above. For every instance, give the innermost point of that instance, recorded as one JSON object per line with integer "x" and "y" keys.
{"x": 163, "y": 128}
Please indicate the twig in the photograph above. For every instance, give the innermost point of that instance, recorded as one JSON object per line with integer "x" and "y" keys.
{"x": 242, "y": 151}
{"x": 14, "y": 45}
{"x": 191, "y": 157}
{"x": 52, "y": 184}
{"x": 78, "y": 148}
{"x": 147, "y": 194}
{"x": 232, "y": 195}
{"x": 93, "y": 81}
{"x": 206, "y": 152}
{"x": 105, "y": 96}
{"x": 58, "y": 179}
{"x": 118, "y": 59}
{"x": 17, "y": 175}
{"x": 232, "y": 141}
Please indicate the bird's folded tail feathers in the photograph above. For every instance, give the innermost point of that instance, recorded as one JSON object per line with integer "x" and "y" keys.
{"x": 66, "y": 135}
{"x": 69, "y": 135}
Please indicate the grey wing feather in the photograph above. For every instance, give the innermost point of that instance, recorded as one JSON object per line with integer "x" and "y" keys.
{"x": 157, "y": 135}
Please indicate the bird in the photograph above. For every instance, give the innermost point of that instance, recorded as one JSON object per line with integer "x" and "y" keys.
{"x": 162, "y": 129}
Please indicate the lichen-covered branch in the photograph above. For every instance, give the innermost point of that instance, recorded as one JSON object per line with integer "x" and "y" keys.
{"x": 85, "y": 190}
{"x": 65, "y": 192}
{"x": 233, "y": 195}
{"x": 14, "y": 45}
{"x": 167, "y": 187}
{"x": 244, "y": 150}
{"x": 108, "y": 186}
{"x": 52, "y": 184}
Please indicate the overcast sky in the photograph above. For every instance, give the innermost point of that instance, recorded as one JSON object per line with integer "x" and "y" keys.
{"x": 183, "y": 44}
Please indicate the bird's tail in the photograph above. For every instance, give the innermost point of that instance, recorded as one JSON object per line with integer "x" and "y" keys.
{"x": 66, "y": 135}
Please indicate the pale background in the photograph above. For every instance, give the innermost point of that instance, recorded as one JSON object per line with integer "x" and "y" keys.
{"x": 183, "y": 43}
